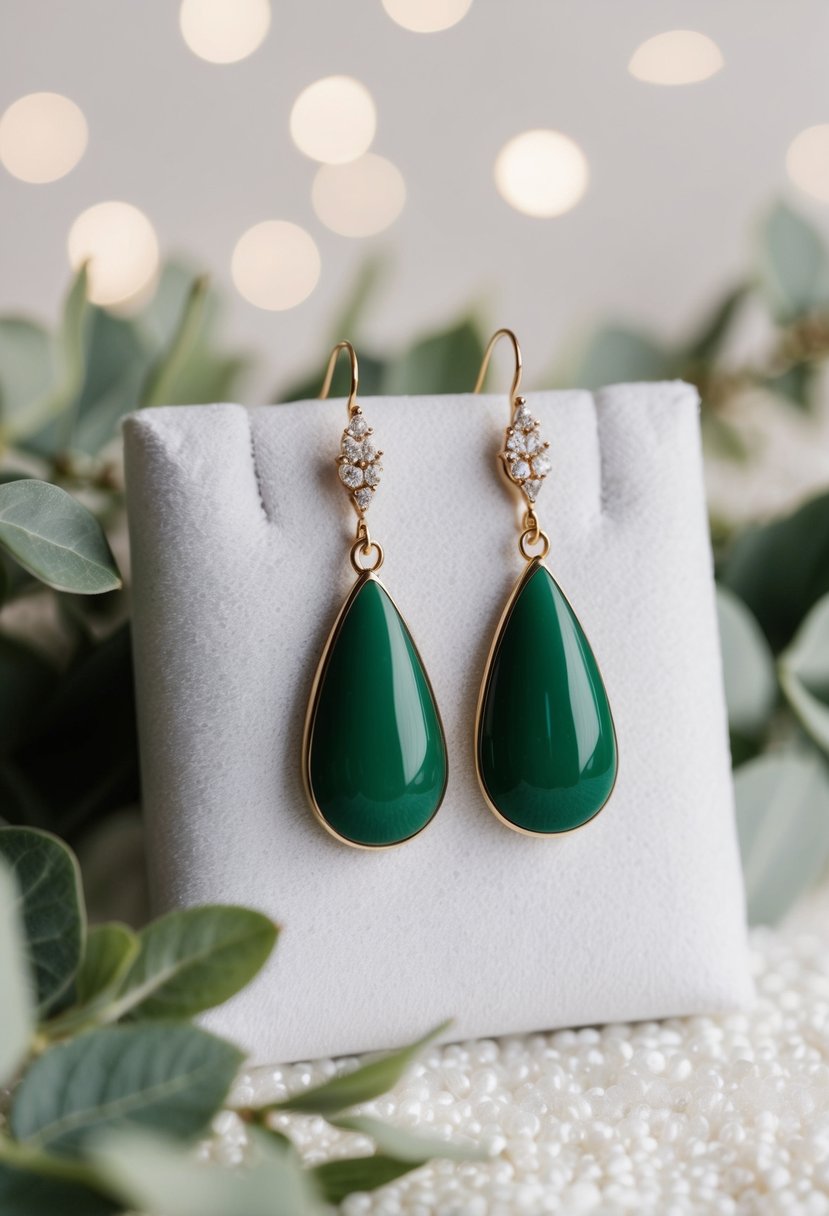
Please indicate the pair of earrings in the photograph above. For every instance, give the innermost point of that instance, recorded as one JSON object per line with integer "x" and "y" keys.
{"x": 374, "y": 753}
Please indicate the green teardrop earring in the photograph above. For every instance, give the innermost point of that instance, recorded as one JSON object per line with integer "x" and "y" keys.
{"x": 373, "y": 754}
{"x": 545, "y": 743}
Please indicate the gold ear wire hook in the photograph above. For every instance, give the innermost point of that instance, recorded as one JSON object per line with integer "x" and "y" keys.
{"x": 355, "y": 374}
{"x": 493, "y": 342}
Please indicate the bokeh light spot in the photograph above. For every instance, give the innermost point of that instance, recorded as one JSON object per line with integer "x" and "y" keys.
{"x": 121, "y": 248}
{"x": 224, "y": 31}
{"x": 275, "y": 265}
{"x": 807, "y": 161}
{"x": 42, "y": 137}
{"x": 334, "y": 120}
{"x": 360, "y": 198}
{"x": 541, "y": 173}
{"x": 427, "y": 16}
{"x": 676, "y": 57}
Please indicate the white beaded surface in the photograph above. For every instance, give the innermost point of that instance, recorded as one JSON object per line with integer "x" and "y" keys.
{"x": 723, "y": 1116}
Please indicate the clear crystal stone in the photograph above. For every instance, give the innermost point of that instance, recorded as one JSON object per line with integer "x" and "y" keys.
{"x": 369, "y": 451}
{"x": 517, "y": 442}
{"x": 357, "y": 426}
{"x": 372, "y": 474}
{"x": 541, "y": 465}
{"x": 363, "y": 498}
{"x": 531, "y": 489}
{"x": 519, "y": 469}
{"x": 534, "y": 442}
{"x": 351, "y": 476}
{"x": 352, "y": 450}
{"x": 523, "y": 420}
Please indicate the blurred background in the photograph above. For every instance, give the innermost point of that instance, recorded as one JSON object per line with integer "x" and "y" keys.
{"x": 198, "y": 197}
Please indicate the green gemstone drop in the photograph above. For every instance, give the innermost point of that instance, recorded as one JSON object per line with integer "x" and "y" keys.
{"x": 546, "y": 746}
{"x": 376, "y": 755}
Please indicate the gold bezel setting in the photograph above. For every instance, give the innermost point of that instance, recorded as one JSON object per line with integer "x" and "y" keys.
{"x": 532, "y": 565}
{"x": 310, "y": 715}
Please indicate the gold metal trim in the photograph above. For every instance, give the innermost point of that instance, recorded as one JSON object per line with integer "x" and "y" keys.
{"x": 311, "y": 712}
{"x": 355, "y": 374}
{"x": 526, "y": 574}
{"x": 519, "y": 362}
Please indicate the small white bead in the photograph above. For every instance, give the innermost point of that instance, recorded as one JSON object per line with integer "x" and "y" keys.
{"x": 728, "y": 1116}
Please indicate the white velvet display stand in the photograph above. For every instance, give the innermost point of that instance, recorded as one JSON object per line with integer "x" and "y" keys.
{"x": 240, "y": 533}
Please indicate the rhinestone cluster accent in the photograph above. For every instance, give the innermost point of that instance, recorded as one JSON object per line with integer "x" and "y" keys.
{"x": 525, "y": 452}
{"x": 359, "y": 462}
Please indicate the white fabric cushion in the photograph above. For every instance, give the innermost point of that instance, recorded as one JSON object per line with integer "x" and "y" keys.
{"x": 240, "y": 533}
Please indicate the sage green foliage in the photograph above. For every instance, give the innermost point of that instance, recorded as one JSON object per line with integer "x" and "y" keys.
{"x": 48, "y": 881}
{"x": 68, "y": 752}
{"x": 110, "y": 952}
{"x": 363, "y": 1085}
{"x": 17, "y": 986}
{"x": 192, "y": 959}
{"x": 106, "y": 1084}
{"x": 778, "y": 709}
{"x": 62, "y": 397}
{"x": 153, "y": 1175}
{"x": 158, "y": 1076}
{"x": 56, "y": 539}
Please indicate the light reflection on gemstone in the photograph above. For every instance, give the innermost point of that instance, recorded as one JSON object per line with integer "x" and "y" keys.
{"x": 352, "y": 449}
{"x": 357, "y": 426}
{"x": 524, "y": 454}
{"x": 359, "y": 465}
{"x": 351, "y": 475}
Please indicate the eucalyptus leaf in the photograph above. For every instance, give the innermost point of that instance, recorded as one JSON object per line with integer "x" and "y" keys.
{"x": 793, "y": 264}
{"x": 152, "y": 1175}
{"x": 337, "y": 1180}
{"x": 18, "y": 1020}
{"x": 350, "y": 315}
{"x": 781, "y": 569}
{"x": 170, "y": 1078}
{"x": 110, "y": 951}
{"x": 26, "y": 366}
{"x": 710, "y": 338}
{"x": 55, "y": 538}
{"x": 444, "y": 362}
{"x": 43, "y": 426}
{"x": 48, "y": 881}
{"x": 363, "y": 1085}
{"x": 116, "y": 361}
{"x": 193, "y": 959}
{"x": 804, "y": 674}
{"x": 39, "y": 1184}
{"x": 159, "y": 385}
{"x": 180, "y": 322}
{"x": 615, "y": 355}
{"x": 783, "y": 825}
{"x": 748, "y": 667}
{"x": 404, "y": 1145}
{"x": 161, "y": 316}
